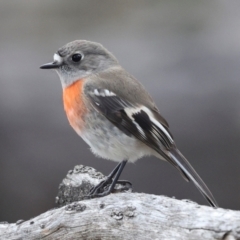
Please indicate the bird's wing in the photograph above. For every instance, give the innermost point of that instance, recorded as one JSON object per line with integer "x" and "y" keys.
{"x": 131, "y": 118}
{"x": 141, "y": 122}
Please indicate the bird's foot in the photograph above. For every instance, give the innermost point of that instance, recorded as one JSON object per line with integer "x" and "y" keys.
{"x": 105, "y": 187}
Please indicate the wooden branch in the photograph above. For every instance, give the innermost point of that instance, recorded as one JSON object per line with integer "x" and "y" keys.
{"x": 123, "y": 215}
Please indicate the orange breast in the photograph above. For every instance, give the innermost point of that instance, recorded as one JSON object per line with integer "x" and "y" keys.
{"x": 74, "y": 105}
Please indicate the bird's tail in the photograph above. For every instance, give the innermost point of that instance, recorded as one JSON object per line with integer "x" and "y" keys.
{"x": 181, "y": 163}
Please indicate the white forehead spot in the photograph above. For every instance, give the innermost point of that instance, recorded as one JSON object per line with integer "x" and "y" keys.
{"x": 57, "y": 58}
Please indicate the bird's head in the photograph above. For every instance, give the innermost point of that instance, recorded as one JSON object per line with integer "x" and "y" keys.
{"x": 80, "y": 59}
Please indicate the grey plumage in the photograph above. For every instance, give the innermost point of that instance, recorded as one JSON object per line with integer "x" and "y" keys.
{"x": 122, "y": 121}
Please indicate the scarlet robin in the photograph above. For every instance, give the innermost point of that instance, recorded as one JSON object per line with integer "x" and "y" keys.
{"x": 114, "y": 114}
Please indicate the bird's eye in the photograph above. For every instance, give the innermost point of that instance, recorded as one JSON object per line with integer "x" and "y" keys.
{"x": 77, "y": 57}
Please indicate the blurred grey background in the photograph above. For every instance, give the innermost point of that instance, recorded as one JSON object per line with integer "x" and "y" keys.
{"x": 186, "y": 53}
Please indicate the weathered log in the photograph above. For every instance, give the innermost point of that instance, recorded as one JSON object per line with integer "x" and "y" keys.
{"x": 123, "y": 215}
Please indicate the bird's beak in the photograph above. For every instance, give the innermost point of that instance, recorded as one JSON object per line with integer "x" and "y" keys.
{"x": 55, "y": 64}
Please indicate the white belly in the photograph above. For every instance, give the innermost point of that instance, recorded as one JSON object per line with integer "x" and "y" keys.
{"x": 107, "y": 141}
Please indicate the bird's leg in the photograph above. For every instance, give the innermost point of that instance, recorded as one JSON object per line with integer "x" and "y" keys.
{"x": 106, "y": 181}
{"x": 111, "y": 178}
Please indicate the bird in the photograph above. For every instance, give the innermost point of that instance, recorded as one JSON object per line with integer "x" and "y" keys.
{"x": 114, "y": 114}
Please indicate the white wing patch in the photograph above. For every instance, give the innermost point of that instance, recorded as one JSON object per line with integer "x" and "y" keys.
{"x": 108, "y": 93}
{"x": 96, "y": 92}
{"x": 131, "y": 111}
{"x": 151, "y": 116}
{"x": 103, "y": 93}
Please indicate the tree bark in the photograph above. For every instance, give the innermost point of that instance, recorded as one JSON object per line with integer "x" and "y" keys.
{"x": 122, "y": 215}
